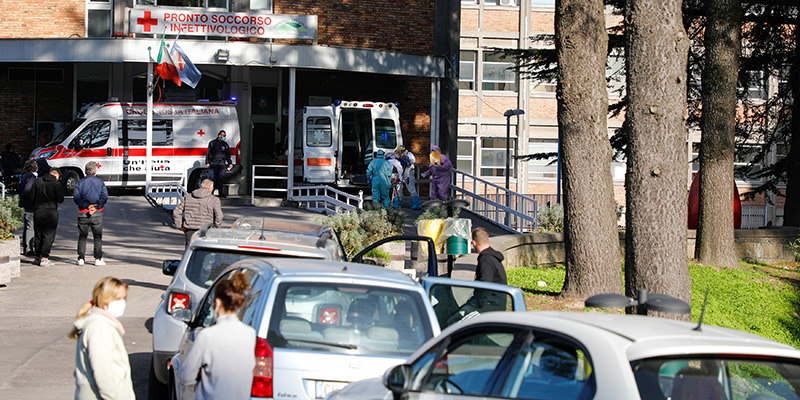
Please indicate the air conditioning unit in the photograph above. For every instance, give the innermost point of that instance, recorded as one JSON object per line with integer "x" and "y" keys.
{"x": 508, "y": 3}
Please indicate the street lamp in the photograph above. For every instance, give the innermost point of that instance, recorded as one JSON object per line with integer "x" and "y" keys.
{"x": 508, "y": 114}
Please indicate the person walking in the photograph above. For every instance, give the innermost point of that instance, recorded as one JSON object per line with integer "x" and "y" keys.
{"x": 379, "y": 172}
{"x": 102, "y": 368}
{"x": 396, "y": 180}
{"x": 408, "y": 160}
{"x": 198, "y": 209}
{"x": 47, "y": 194}
{"x": 29, "y": 176}
{"x": 218, "y": 159}
{"x": 221, "y": 361}
{"x": 90, "y": 196}
{"x": 439, "y": 171}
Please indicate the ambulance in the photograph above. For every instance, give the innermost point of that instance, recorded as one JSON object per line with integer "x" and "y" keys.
{"x": 114, "y": 135}
{"x": 334, "y": 144}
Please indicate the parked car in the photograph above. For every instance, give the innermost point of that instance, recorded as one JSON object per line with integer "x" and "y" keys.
{"x": 323, "y": 324}
{"x": 211, "y": 251}
{"x": 581, "y": 355}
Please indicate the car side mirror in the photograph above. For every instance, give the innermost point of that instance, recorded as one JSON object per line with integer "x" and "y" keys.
{"x": 396, "y": 379}
{"x": 182, "y": 314}
{"x": 168, "y": 267}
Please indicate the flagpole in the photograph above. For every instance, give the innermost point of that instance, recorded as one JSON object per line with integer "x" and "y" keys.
{"x": 149, "y": 143}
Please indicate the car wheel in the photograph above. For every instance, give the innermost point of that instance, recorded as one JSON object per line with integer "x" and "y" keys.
{"x": 71, "y": 179}
{"x": 155, "y": 389}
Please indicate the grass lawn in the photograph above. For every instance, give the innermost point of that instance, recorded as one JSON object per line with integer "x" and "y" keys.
{"x": 762, "y": 299}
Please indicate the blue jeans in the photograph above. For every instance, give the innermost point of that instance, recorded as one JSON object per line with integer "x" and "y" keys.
{"x": 95, "y": 223}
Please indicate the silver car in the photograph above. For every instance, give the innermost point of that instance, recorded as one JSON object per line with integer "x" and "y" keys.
{"x": 321, "y": 325}
{"x": 213, "y": 250}
{"x": 581, "y": 355}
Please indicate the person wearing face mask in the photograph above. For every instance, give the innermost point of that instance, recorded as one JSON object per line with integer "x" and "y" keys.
{"x": 102, "y": 368}
{"x": 221, "y": 361}
{"x": 218, "y": 159}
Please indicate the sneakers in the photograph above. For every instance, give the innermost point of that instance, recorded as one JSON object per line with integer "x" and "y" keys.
{"x": 80, "y": 261}
{"x": 46, "y": 263}
{"x": 99, "y": 262}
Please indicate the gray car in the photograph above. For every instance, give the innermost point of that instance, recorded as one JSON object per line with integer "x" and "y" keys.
{"x": 582, "y": 355}
{"x": 323, "y": 324}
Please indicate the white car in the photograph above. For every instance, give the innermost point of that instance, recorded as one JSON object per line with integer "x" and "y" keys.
{"x": 582, "y": 355}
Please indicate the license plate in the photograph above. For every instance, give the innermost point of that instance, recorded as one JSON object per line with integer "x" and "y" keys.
{"x": 325, "y": 387}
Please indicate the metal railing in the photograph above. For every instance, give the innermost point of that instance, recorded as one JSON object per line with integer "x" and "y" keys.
{"x": 167, "y": 194}
{"x": 754, "y": 216}
{"x": 496, "y": 204}
{"x": 325, "y": 198}
{"x": 274, "y": 178}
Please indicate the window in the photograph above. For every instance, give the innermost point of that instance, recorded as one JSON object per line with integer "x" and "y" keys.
{"x": 466, "y": 156}
{"x": 546, "y": 169}
{"x": 385, "y": 134}
{"x": 493, "y": 157}
{"x": 498, "y": 72}
{"x": 548, "y": 368}
{"x": 743, "y": 162}
{"x": 454, "y": 303}
{"x": 205, "y": 313}
{"x": 99, "y": 21}
{"x": 615, "y": 74}
{"x": 506, "y": 3}
{"x": 756, "y": 85}
{"x": 318, "y": 132}
{"x": 466, "y": 70}
{"x": 185, "y": 3}
{"x": 206, "y": 265}
{"x": 92, "y": 136}
{"x": 784, "y": 84}
{"x": 134, "y": 132}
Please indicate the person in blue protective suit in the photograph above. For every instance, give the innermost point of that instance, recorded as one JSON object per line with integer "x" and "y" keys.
{"x": 379, "y": 172}
{"x": 439, "y": 171}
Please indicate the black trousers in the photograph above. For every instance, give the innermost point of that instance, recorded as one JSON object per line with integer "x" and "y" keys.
{"x": 45, "y": 224}
{"x": 219, "y": 169}
{"x": 95, "y": 224}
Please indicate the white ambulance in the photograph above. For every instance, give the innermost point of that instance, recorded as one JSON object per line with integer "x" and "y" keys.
{"x": 115, "y": 136}
{"x": 335, "y": 143}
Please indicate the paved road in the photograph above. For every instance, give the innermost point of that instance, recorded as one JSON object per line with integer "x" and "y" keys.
{"x": 39, "y": 307}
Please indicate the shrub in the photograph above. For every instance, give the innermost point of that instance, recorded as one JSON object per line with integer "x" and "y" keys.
{"x": 439, "y": 212}
{"x": 359, "y": 228}
{"x": 551, "y": 219}
{"x": 10, "y": 217}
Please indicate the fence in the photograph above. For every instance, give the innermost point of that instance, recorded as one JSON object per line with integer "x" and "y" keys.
{"x": 269, "y": 179}
{"x": 754, "y": 216}
{"x": 325, "y": 198}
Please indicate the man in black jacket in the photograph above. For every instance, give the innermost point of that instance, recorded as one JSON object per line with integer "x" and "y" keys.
{"x": 29, "y": 176}
{"x": 218, "y": 159}
{"x": 47, "y": 193}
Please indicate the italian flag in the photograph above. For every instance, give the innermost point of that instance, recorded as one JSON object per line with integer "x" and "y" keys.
{"x": 167, "y": 68}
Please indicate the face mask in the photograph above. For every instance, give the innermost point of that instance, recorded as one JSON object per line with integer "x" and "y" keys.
{"x": 116, "y": 308}
{"x": 222, "y": 139}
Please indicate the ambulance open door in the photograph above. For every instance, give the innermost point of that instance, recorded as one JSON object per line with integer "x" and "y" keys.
{"x": 320, "y": 145}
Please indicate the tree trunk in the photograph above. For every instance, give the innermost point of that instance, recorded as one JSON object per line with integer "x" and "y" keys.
{"x": 657, "y": 47}
{"x": 791, "y": 207}
{"x": 593, "y": 263}
{"x": 715, "y": 242}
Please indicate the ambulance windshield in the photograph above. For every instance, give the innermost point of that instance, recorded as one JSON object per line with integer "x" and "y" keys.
{"x": 64, "y": 134}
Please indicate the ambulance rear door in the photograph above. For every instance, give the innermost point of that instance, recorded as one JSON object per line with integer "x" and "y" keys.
{"x": 320, "y": 144}
{"x": 386, "y": 122}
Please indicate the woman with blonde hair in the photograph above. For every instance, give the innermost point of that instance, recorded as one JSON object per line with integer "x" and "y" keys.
{"x": 102, "y": 369}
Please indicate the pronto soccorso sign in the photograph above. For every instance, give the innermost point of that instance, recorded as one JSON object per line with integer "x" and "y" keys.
{"x": 201, "y": 23}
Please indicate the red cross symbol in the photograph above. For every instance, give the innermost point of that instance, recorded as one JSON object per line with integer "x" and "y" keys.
{"x": 147, "y": 21}
{"x": 201, "y": 133}
{"x": 99, "y": 165}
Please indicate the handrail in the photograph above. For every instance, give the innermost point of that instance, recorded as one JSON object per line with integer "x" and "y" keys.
{"x": 517, "y": 215}
{"x": 325, "y": 198}
{"x": 254, "y": 178}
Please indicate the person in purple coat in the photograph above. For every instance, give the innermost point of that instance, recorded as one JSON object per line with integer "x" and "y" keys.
{"x": 439, "y": 172}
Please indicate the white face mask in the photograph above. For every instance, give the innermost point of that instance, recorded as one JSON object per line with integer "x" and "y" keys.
{"x": 116, "y": 308}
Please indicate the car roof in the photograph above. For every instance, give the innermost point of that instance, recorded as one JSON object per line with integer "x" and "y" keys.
{"x": 258, "y": 240}
{"x": 301, "y": 268}
{"x": 646, "y": 336}
{"x": 280, "y": 225}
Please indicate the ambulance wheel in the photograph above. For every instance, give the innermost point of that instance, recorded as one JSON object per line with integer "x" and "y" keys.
{"x": 71, "y": 179}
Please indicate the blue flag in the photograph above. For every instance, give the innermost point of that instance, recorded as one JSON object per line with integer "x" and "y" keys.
{"x": 189, "y": 74}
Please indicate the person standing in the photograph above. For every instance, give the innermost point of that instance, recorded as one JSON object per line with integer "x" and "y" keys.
{"x": 221, "y": 361}
{"x": 90, "y": 196}
{"x": 379, "y": 172}
{"x": 408, "y": 160}
{"x": 198, "y": 209}
{"x": 396, "y": 180}
{"x": 439, "y": 171}
{"x": 218, "y": 158}
{"x": 29, "y": 176}
{"x": 47, "y": 194}
{"x": 102, "y": 368}
{"x": 11, "y": 162}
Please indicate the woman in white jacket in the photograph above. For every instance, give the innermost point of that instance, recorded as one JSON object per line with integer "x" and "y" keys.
{"x": 102, "y": 369}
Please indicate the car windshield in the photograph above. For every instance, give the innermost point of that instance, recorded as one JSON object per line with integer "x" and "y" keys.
{"x": 718, "y": 377}
{"x": 357, "y": 319}
{"x": 66, "y": 132}
{"x": 206, "y": 264}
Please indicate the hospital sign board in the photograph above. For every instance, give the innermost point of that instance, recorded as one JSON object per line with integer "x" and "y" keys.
{"x": 204, "y": 23}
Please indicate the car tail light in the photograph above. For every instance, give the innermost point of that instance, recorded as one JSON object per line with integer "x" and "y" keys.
{"x": 328, "y": 316}
{"x": 262, "y": 373}
{"x": 177, "y": 300}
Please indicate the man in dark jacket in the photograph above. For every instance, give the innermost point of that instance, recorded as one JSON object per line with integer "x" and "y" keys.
{"x": 91, "y": 196}
{"x": 47, "y": 193}
{"x": 29, "y": 176}
{"x": 218, "y": 158}
{"x": 198, "y": 209}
